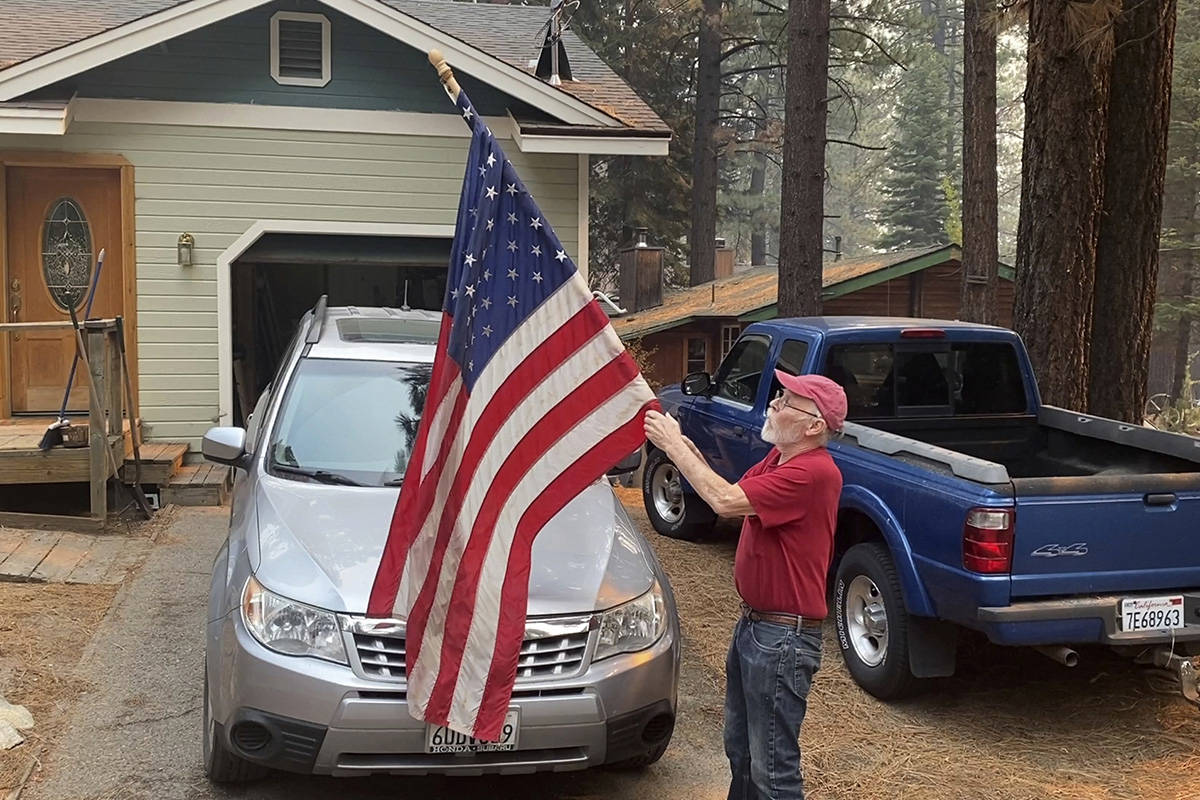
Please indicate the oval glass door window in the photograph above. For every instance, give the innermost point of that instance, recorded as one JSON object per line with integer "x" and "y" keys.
{"x": 67, "y": 253}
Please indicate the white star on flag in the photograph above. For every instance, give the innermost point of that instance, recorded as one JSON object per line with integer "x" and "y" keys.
{"x": 468, "y": 112}
{"x": 487, "y": 330}
{"x": 535, "y": 223}
{"x": 537, "y": 276}
{"x": 512, "y": 246}
{"x": 491, "y": 159}
{"x": 492, "y": 193}
{"x": 512, "y": 273}
{"x": 512, "y": 301}
{"x": 512, "y": 188}
{"x": 536, "y": 249}
{"x": 491, "y": 224}
{"x": 561, "y": 255}
{"x": 470, "y": 259}
{"x": 512, "y": 218}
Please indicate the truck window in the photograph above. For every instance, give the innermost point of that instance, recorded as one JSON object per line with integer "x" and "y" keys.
{"x": 791, "y": 361}
{"x": 737, "y": 379}
{"x": 964, "y": 378}
{"x": 864, "y": 371}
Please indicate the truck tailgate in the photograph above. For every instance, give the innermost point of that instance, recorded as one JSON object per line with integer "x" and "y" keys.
{"x": 1121, "y": 533}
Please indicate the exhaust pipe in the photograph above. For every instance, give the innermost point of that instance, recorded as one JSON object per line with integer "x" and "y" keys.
{"x": 1060, "y": 653}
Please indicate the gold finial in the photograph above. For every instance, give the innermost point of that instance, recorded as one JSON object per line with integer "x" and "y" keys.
{"x": 444, "y": 72}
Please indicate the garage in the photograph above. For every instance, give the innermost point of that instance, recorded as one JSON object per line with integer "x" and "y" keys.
{"x": 281, "y": 276}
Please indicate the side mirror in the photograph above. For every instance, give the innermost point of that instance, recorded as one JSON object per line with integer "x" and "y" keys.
{"x": 628, "y": 464}
{"x": 225, "y": 446}
{"x": 696, "y": 384}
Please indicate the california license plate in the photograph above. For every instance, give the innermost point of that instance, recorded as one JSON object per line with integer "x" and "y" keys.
{"x": 1152, "y": 613}
{"x": 440, "y": 739}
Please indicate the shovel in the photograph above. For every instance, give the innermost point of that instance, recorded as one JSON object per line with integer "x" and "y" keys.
{"x": 53, "y": 436}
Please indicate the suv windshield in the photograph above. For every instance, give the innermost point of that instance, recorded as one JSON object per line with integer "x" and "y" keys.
{"x": 349, "y": 422}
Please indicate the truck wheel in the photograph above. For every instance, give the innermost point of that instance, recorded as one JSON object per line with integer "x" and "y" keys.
{"x": 220, "y": 765}
{"x": 672, "y": 511}
{"x": 872, "y": 625}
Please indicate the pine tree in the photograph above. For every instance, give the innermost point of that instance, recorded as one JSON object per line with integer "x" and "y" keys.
{"x": 915, "y": 211}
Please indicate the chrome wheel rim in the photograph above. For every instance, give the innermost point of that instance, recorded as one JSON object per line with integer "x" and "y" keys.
{"x": 866, "y": 621}
{"x": 666, "y": 490}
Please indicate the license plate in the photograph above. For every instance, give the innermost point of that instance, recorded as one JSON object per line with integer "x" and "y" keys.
{"x": 440, "y": 739}
{"x": 1152, "y": 613}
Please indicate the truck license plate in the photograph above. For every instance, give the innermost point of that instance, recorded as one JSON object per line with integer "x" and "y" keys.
{"x": 1152, "y": 613}
{"x": 440, "y": 739}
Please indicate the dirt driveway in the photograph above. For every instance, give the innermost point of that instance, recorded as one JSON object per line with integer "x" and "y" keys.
{"x": 1012, "y": 724}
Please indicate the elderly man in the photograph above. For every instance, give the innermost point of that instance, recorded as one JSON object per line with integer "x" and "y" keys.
{"x": 790, "y": 501}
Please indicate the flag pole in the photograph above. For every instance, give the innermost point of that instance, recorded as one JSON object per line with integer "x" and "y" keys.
{"x": 445, "y": 73}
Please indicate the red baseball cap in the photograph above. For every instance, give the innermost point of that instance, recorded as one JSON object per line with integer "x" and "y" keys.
{"x": 829, "y": 397}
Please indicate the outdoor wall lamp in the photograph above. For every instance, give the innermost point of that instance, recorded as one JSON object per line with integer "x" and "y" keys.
{"x": 184, "y": 247}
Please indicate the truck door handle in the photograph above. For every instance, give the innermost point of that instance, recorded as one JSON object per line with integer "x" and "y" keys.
{"x": 1164, "y": 499}
{"x": 739, "y": 430}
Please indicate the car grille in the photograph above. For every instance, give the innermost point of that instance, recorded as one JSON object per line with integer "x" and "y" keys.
{"x": 382, "y": 657}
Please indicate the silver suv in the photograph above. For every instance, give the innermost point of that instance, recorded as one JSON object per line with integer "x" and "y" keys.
{"x": 298, "y": 679}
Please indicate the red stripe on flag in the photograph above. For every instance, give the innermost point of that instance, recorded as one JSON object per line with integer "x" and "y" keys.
{"x": 400, "y": 534}
{"x": 551, "y": 353}
{"x": 581, "y": 402}
{"x": 511, "y": 629}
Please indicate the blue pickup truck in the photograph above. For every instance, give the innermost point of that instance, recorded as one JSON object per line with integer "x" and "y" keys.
{"x": 967, "y": 502}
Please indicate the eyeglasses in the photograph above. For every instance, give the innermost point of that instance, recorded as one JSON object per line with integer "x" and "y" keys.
{"x": 780, "y": 401}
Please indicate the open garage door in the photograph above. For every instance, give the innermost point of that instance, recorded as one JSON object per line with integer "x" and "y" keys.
{"x": 281, "y": 276}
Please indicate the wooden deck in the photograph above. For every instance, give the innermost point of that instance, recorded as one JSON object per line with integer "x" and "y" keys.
{"x": 22, "y": 462}
{"x": 55, "y": 557}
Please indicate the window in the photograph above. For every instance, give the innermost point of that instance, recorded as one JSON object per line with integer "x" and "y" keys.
{"x": 697, "y": 356}
{"x": 791, "y": 361}
{"x": 729, "y": 335}
{"x": 66, "y": 253}
{"x": 957, "y": 379}
{"x": 357, "y": 419}
{"x": 300, "y": 49}
{"x": 740, "y": 372}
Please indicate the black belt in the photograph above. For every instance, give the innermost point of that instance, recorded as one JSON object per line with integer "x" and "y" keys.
{"x": 790, "y": 620}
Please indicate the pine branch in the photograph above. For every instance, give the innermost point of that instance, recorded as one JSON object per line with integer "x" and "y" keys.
{"x": 873, "y": 41}
{"x": 859, "y": 145}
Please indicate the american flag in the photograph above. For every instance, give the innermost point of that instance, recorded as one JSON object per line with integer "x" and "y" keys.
{"x": 532, "y": 398}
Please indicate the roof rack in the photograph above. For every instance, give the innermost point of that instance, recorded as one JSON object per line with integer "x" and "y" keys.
{"x": 318, "y": 323}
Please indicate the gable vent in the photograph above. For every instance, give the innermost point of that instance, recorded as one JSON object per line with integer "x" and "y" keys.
{"x": 300, "y": 49}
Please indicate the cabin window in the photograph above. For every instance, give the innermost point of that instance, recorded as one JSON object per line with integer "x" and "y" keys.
{"x": 729, "y": 334}
{"x": 697, "y": 356}
{"x": 300, "y": 49}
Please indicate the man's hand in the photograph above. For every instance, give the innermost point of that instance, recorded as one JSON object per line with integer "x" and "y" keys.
{"x": 662, "y": 430}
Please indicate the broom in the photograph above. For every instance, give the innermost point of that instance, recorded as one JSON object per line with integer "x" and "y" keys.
{"x": 53, "y": 437}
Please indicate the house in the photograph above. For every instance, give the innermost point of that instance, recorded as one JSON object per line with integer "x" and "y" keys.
{"x": 236, "y": 159}
{"x": 694, "y": 328}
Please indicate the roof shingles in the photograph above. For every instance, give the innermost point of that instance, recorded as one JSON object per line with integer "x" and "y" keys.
{"x": 510, "y": 33}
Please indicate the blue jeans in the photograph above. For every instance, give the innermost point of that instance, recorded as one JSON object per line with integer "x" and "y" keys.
{"x": 768, "y": 673}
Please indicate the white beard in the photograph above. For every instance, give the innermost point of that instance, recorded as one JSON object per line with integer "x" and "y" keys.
{"x": 771, "y": 434}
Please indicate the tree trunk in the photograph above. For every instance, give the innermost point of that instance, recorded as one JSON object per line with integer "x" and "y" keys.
{"x": 702, "y": 242}
{"x": 1183, "y": 330}
{"x": 1066, "y": 99}
{"x": 981, "y": 249}
{"x": 1139, "y": 106}
{"x": 803, "y": 193}
{"x": 758, "y": 184}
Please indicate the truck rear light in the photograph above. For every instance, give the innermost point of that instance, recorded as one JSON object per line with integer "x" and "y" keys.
{"x": 988, "y": 541}
{"x": 922, "y": 333}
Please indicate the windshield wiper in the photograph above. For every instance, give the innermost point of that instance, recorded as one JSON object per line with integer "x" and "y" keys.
{"x": 394, "y": 482}
{"x": 324, "y": 476}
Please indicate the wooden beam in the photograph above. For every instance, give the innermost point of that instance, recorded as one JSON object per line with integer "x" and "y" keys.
{"x": 97, "y": 438}
{"x": 129, "y": 277}
{"x": 52, "y": 522}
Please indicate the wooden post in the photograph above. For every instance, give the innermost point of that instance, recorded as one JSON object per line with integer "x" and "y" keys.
{"x": 98, "y": 454}
{"x": 115, "y": 385}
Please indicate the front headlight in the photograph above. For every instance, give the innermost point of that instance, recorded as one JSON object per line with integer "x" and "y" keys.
{"x": 291, "y": 628}
{"x": 634, "y": 625}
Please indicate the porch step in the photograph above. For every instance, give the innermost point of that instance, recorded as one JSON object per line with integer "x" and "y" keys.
{"x": 198, "y": 485}
{"x": 160, "y": 462}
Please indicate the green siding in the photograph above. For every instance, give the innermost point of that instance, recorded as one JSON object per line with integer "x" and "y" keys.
{"x": 230, "y": 62}
{"x": 217, "y": 182}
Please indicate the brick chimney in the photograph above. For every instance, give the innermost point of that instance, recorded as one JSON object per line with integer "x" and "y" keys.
{"x": 723, "y": 266}
{"x": 641, "y": 274}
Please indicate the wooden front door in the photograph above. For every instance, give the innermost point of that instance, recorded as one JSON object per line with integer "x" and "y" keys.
{"x": 58, "y": 220}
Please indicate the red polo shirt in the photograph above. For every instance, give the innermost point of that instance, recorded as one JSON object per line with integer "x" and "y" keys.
{"x": 786, "y": 544}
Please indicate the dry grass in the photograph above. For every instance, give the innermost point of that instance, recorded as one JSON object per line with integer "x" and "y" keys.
{"x": 1011, "y": 725}
{"x": 43, "y": 630}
